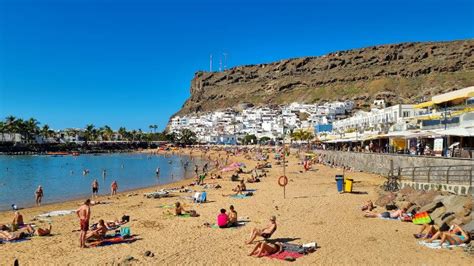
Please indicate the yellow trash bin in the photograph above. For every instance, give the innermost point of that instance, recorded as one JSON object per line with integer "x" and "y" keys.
{"x": 348, "y": 185}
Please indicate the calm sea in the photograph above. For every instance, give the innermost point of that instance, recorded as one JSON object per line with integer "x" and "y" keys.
{"x": 62, "y": 177}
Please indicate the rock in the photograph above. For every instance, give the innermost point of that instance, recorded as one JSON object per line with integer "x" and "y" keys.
{"x": 385, "y": 199}
{"x": 147, "y": 253}
{"x": 406, "y": 191}
{"x": 425, "y": 197}
{"x": 469, "y": 227}
{"x": 455, "y": 203}
{"x": 437, "y": 214}
{"x": 430, "y": 207}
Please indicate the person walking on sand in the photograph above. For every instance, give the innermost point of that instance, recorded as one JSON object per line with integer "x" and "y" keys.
{"x": 95, "y": 188}
{"x": 39, "y": 195}
{"x": 113, "y": 188}
{"x": 84, "y": 214}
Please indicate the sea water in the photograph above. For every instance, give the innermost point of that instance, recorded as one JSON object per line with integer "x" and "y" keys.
{"x": 62, "y": 176}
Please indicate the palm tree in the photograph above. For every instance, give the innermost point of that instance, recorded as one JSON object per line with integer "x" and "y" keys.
{"x": 90, "y": 132}
{"x": 123, "y": 133}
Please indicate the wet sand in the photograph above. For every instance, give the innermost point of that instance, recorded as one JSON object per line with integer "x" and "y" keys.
{"x": 313, "y": 211}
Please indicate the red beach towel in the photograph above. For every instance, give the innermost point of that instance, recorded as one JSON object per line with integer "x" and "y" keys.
{"x": 282, "y": 255}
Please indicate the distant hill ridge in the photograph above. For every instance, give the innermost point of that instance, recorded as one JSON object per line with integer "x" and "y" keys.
{"x": 397, "y": 73}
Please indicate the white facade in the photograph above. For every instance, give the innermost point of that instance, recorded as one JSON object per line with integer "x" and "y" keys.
{"x": 223, "y": 125}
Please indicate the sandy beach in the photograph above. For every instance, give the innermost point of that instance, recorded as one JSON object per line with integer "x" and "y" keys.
{"x": 313, "y": 211}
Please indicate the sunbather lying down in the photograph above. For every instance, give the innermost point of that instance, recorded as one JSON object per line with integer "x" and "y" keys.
{"x": 267, "y": 249}
{"x": 27, "y": 231}
{"x": 391, "y": 215}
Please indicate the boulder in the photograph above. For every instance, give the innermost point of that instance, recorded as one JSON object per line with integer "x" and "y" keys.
{"x": 469, "y": 227}
{"x": 455, "y": 203}
{"x": 385, "y": 199}
{"x": 431, "y": 207}
{"x": 424, "y": 198}
{"x": 406, "y": 191}
{"x": 437, "y": 214}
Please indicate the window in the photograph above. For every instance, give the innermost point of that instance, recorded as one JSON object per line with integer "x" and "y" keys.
{"x": 406, "y": 113}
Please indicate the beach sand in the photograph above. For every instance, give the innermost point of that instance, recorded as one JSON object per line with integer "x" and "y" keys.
{"x": 313, "y": 211}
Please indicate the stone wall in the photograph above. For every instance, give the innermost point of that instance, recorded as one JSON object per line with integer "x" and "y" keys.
{"x": 379, "y": 163}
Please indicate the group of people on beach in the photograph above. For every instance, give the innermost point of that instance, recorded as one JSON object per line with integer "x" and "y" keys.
{"x": 19, "y": 230}
{"x": 429, "y": 232}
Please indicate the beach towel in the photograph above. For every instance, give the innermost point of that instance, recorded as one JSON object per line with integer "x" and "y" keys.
{"x": 56, "y": 213}
{"x": 240, "y": 196}
{"x": 239, "y": 224}
{"x": 112, "y": 241}
{"x": 14, "y": 240}
{"x": 421, "y": 218}
{"x": 436, "y": 244}
{"x": 286, "y": 254}
{"x": 166, "y": 206}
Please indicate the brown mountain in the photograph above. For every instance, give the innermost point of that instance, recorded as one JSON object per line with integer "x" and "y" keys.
{"x": 398, "y": 73}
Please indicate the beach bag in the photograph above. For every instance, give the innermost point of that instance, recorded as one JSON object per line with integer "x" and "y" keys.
{"x": 125, "y": 232}
{"x": 125, "y": 218}
{"x": 421, "y": 218}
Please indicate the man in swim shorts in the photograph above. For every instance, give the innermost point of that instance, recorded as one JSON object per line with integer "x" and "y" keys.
{"x": 84, "y": 214}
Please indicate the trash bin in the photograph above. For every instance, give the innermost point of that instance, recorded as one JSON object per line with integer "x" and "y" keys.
{"x": 348, "y": 185}
{"x": 340, "y": 183}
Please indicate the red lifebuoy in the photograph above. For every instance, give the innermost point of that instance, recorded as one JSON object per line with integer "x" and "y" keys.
{"x": 282, "y": 181}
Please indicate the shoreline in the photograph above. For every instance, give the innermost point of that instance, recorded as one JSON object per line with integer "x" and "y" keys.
{"x": 141, "y": 189}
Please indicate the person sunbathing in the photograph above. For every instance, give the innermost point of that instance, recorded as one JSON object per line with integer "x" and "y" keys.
{"x": 179, "y": 210}
{"x": 30, "y": 231}
{"x": 369, "y": 206}
{"x": 265, "y": 232}
{"x": 240, "y": 188}
{"x": 454, "y": 235}
{"x": 98, "y": 233}
{"x": 10, "y": 236}
{"x": 18, "y": 220}
{"x": 426, "y": 231}
{"x": 253, "y": 179}
{"x": 265, "y": 249}
{"x": 388, "y": 215}
{"x": 232, "y": 216}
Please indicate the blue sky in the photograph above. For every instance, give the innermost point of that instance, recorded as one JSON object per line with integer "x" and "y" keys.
{"x": 129, "y": 63}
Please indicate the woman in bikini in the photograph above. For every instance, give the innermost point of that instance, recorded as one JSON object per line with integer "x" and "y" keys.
{"x": 265, "y": 249}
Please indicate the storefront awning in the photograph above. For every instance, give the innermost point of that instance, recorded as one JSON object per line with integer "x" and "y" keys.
{"x": 457, "y": 131}
{"x": 424, "y": 105}
{"x": 454, "y": 95}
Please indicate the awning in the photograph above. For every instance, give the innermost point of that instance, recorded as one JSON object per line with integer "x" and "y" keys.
{"x": 457, "y": 131}
{"x": 454, "y": 95}
{"x": 423, "y": 105}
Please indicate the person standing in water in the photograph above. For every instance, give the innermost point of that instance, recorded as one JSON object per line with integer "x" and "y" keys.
{"x": 113, "y": 188}
{"x": 104, "y": 174}
{"x": 39, "y": 195}
{"x": 95, "y": 188}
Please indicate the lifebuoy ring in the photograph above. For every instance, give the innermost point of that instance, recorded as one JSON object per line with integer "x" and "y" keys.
{"x": 282, "y": 181}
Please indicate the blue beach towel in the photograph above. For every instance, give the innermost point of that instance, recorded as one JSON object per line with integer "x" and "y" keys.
{"x": 239, "y": 196}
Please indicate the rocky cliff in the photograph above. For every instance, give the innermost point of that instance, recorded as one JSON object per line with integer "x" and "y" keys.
{"x": 398, "y": 73}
